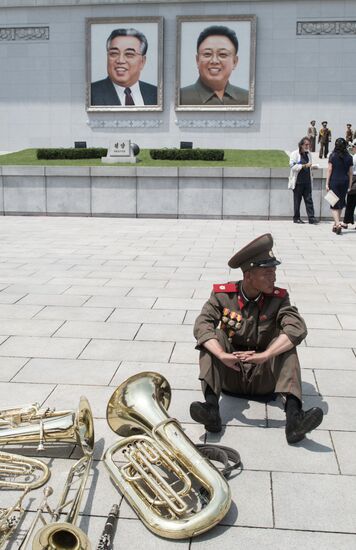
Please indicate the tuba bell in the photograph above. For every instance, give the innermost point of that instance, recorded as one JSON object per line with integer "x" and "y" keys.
{"x": 31, "y": 424}
{"x": 174, "y": 490}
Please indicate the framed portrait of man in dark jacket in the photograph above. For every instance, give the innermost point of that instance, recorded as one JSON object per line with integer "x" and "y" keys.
{"x": 216, "y": 63}
{"x": 124, "y": 64}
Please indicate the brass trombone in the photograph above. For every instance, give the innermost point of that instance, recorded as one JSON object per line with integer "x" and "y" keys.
{"x": 65, "y": 535}
{"x": 174, "y": 490}
{"x": 18, "y": 472}
{"x": 31, "y": 424}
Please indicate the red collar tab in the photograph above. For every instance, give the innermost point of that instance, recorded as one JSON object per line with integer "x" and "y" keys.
{"x": 226, "y": 287}
{"x": 278, "y": 292}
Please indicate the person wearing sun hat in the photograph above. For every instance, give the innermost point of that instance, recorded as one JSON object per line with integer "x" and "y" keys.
{"x": 247, "y": 334}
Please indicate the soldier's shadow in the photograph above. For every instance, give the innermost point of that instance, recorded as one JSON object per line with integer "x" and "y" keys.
{"x": 238, "y": 410}
{"x": 269, "y": 413}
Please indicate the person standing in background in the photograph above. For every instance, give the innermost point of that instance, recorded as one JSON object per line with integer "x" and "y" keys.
{"x": 301, "y": 179}
{"x": 311, "y": 133}
{"x": 349, "y": 133}
{"x": 324, "y": 140}
{"x": 351, "y": 195}
{"x": 339, "y": 179}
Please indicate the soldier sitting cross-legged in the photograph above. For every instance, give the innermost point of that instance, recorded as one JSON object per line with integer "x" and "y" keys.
{"x": 247, "y": 333}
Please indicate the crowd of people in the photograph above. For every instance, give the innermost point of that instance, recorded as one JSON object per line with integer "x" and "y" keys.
{"x": 340, "y": 178}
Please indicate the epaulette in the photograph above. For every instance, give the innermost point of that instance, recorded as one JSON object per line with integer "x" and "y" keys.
{"x": 226, "y": 287}
{"x": 279, "y": 292}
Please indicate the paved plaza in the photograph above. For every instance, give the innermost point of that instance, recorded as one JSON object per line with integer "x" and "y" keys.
{"x": 86, "y": 302}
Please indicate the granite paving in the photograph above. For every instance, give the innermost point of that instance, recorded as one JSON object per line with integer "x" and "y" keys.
{"x": 87, "y": 302}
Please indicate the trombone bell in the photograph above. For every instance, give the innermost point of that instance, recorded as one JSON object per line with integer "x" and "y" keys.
{"x": 60, "y": 536}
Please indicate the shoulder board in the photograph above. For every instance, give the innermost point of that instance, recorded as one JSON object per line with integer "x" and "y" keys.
{"x": 227, "y": 287}
{"x": 279, "y": 292}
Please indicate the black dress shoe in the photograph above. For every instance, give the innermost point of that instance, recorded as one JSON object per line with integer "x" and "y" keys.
{"x": 303, "y": 422}
{"x": 206, "y": 414}
{"x": 313, "y": 221}
{"x": 298, "y": 221}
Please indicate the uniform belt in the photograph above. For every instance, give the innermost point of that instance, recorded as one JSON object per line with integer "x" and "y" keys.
{"x": 248, "y": 348}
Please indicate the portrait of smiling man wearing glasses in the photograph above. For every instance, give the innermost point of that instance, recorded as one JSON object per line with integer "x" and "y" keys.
{"x": 216, "y": 58}
{"x": 126, "y": 57}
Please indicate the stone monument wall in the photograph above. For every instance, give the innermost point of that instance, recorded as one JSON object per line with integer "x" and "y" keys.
{"x": 305, "y": 57}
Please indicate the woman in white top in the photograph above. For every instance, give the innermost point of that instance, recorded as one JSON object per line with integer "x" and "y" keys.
{"x": 351, "y": 196}
{"x": 301, "y": 180}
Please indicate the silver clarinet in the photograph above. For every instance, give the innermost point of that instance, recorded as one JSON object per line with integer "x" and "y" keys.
{"x": 107, "y": 537}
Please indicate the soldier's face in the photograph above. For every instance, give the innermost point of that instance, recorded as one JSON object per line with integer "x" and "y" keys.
{"x": 216, "y": 59}
{"x": 263, "y": 278}
{"x": 124, "y": 60}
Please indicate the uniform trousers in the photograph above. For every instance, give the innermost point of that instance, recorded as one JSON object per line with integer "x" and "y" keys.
{"x": 350, "y": 208}
{"x": 303, "y": 190}
{"x": 280, "y": 374}
{"x": 324, "y": 150}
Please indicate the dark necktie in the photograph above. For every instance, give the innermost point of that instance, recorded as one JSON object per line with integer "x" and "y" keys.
{"x": 128, "y": 97}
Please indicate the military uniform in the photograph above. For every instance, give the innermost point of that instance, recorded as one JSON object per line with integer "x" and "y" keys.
{"x": 256, "y": 324}
{"x": 312, "y": 133}
{"x": 324, "y": 140}
{"x": 349, "y": 133}
{"x": 233, "y": 323}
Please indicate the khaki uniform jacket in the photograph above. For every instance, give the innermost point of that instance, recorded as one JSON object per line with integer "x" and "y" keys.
{"x": 256, "y": 323}
{"x": 199, "y": 94}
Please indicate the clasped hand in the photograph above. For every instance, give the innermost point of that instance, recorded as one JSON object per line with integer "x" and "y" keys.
{"x": 233, "y": 360}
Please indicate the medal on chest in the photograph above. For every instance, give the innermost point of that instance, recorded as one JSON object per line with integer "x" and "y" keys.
{"x": 231, "y": 322}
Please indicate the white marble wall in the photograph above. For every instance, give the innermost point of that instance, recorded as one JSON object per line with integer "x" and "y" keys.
{"x": 42, "y": 86}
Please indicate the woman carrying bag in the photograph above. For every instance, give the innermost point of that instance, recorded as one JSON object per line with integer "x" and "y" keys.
{"x": 339, "y": 179}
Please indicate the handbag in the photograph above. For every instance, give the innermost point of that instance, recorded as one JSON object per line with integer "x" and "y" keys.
{"x": 331, "y": 198}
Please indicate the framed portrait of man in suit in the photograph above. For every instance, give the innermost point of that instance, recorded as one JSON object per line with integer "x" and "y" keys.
{"x": 216, "y": 63}
{"x": 124, "y": 64}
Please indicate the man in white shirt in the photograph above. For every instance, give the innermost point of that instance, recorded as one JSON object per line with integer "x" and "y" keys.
{"x": 126, "y": 57}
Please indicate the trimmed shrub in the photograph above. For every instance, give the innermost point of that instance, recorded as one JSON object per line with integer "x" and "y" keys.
{"x": 71, "y": 153}
{"x": 187, "y": 154}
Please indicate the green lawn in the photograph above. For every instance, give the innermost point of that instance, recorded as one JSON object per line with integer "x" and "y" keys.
{"x": 233, "y": 157}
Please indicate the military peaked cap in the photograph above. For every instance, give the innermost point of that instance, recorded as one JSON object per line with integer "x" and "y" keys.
{"x": 257, "y": 253}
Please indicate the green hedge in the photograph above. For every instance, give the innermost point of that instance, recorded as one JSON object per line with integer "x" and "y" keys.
{"x": 61, "y": 153}
{"x": 187, "y": 154}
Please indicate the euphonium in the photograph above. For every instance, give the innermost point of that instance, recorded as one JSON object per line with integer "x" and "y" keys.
{"x": 25, "y": 474}
{"x": 174, "y": 490}
{"x": 31, "y": 424}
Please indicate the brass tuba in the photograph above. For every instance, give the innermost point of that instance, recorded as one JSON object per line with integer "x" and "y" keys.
{"x": 174, "y": 490}
{"x": 24, "y": 474}
{"x": 31, "y": 424}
